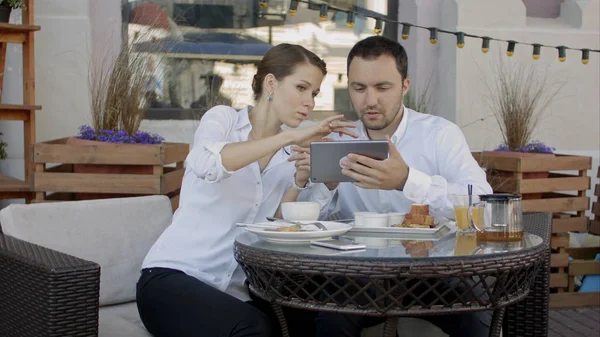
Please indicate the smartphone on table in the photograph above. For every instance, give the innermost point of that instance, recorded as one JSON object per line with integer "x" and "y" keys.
{"x": 338, "y": 244}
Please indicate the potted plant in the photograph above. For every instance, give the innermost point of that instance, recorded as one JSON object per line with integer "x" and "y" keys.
{"x": 118, "y": 105}
{"x": 6, "y": 6}
{"x": 112, "y": 157}
{"x": 3, "y": 146}
{"x": 517, "y": 97}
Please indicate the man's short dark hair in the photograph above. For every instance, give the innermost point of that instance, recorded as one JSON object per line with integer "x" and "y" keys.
{"x": 375, "y": 46}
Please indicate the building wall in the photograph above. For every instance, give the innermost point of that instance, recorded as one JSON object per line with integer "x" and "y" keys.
{"x": 458, "y": 77}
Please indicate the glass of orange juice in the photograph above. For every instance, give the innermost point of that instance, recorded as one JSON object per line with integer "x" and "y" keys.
{"x": 461, "y": 211}
{"x": 466, "y": 243}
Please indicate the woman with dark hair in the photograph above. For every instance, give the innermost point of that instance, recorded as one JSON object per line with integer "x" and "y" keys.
{"x": 240, "y": 169}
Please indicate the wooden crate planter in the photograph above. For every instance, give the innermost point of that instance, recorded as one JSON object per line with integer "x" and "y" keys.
{"x": 553, "y": 188}
{"x": 59, "y": 182}
{"x": 594, "y": 227}
{"x": 582, "y": 264}
{"x": 563, "y": 194}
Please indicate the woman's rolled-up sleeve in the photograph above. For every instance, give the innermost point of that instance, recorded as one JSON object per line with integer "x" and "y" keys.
{"x": 210, "y": 138}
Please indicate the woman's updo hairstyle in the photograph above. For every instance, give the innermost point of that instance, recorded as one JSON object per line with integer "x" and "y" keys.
{"x": 281, "y": 61}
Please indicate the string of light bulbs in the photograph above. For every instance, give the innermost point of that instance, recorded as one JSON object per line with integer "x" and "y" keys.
{"x": 324, "y": 9}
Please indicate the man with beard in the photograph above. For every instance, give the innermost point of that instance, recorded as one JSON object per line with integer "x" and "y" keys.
{"x": 429, "y": 161}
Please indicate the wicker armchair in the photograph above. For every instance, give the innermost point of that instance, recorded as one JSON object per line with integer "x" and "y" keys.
{"x": 45, "y": 293}
{"x": 529, "y": 318}
{"x": 49, "y": 286}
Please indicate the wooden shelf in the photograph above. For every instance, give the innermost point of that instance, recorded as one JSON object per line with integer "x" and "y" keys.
{"x": 11, "y": 112}
{"x": 10, "y": 184}
{"x": 24, "y": 33}
{"x": 12, "y": 33}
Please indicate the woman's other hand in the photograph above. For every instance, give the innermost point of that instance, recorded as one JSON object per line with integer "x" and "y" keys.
{"x": 301, "y": 157}
{"x": 305, "y": 136}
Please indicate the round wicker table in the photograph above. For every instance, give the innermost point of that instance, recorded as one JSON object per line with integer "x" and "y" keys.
{"x": 394, "y": 276}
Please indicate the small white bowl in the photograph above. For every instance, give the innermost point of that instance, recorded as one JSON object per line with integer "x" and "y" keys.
{"x": 370, "y": 219}
{"x": 359, "y": 220}
{"x": 395, "y": 218}
{"x": 300, "y": 211}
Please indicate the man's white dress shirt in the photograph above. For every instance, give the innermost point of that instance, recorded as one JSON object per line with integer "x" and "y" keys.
{"x": 199, "y": 242}
{"x": 440, "y": 164}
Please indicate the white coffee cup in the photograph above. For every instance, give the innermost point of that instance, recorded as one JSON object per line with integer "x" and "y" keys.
{"x": 300, "y": 211}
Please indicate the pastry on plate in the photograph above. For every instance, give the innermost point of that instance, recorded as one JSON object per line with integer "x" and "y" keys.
{"x": 418, "y": 217}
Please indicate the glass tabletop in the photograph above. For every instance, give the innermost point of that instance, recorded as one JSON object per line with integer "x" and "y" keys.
{"x": 390, "y": 247}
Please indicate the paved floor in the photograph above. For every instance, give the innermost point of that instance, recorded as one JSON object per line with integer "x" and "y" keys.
{"x": 583, "y": 322}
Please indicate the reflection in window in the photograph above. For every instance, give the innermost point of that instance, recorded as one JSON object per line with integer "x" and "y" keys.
{"x": 205, "y": 52}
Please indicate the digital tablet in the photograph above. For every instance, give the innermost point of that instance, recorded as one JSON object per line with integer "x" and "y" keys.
{"x": 325, "y": 157}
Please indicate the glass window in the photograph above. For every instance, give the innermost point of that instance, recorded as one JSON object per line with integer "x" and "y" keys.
{"x": 548, "y": 9}
{"x": 205, "y": 52}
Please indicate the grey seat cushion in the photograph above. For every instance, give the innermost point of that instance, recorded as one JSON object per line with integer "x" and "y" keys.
{"x": 121, "y": 320}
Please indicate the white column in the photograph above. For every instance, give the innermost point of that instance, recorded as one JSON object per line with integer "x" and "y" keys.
{"x": 422, "y": 55}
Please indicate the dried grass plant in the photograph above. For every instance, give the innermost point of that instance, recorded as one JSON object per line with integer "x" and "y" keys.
{"x": 14, "y": 3}
{"x": 118, "y": 87}
{"x": 419, "y": 101}
{"x": 519, "y": 95}
{"x": 3, "y": 146}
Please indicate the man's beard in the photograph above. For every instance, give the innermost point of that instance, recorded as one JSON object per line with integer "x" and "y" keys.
{"x": 382, "y": 123}
{"x": 375, "y": 124}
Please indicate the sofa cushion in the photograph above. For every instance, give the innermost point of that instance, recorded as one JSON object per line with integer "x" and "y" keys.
{"x": 121, "y": 320}
{"x": 115, "y": 233}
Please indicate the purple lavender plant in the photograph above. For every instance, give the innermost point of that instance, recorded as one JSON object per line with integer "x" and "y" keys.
{"x": 533, "y": 147}
{"x": 111, "y": 136}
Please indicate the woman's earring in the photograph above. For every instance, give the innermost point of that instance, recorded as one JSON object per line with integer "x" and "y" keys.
{"x": 270, "y": 97}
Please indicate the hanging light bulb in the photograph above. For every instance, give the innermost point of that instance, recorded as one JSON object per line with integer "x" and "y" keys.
{"x": 510, "y": 51}
{"x": 585, "y": 56}
{"x": 562, "y": 53}
{"x": 350, "y": 18}
{"x": 485, "y": 44}
{"x": 536, "y": 51}
{"x": 460, "y": 39}
{"x": 405, "y": 31}
{"x": 378, "y": 26}
{"x": 323, "y": 12}
{"x": 263, "y": 4}
{"x": 293, "y": 7}
{"x": 433, "y": 35}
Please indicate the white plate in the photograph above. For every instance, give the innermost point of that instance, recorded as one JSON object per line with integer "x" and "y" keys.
{"x": 403, "y": 230}
{"x": 333, "y": 228}
{"x": 444, "y": 231}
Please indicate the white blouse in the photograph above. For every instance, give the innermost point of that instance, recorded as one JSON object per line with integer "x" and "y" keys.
{"x": 199, "y": 242}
